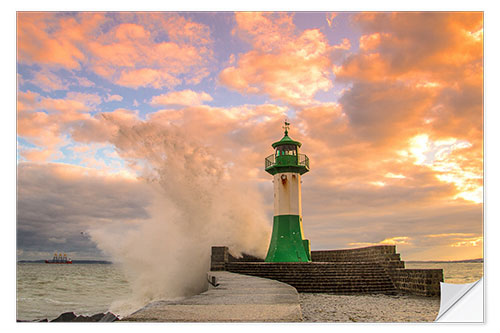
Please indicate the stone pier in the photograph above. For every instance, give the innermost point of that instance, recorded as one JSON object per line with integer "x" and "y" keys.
{"x": 234, "y": 298}
{"x": 374, "y": 269}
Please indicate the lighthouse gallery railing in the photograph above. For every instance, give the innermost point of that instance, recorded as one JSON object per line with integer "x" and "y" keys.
{"x": 302, "y": 160}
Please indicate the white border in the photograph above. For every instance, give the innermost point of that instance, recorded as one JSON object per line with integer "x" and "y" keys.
{"x": 492, "y": 167}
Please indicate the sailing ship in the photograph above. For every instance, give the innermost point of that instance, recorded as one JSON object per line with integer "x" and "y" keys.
{"x": 59, "y": 259}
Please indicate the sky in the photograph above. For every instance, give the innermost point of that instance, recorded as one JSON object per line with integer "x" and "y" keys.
{"x": 126, "y": 120}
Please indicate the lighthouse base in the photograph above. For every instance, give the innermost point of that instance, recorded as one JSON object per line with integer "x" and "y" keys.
{"x": 287, "y": 244}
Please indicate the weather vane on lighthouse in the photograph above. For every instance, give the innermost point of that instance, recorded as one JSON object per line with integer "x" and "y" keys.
{"x": 286, "y": 127}
{"x": 287, "y": 166}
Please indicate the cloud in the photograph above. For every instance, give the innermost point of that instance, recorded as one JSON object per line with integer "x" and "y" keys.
{"x": 37, "y": 126}
{"x": 101, "y": 127}
{"x": 401, "y": 240}
{"x": 430, "y": 68}
{"x": 46, "y": 122}
{"x": 37, "y": 45}
{"x": 146, "y": 77}
{"x": 84, "y": 82}
{"x": 329, "y": 18}
{"x": 432, "y": 46}
{"x": 89, "y": 100}
{"x": 338, "y": 213}
{"x": 381, "y": 114}
{"x": 453, "y": 234}
{"x": 469, "y": 242}
{"x": 111, "y": 98}
{"x": 406, "y": 83}
{"x": 391, "y": 175}
{"x": 455, "y": 239}
{"x": 265, "y": 31}
{"x": 57, "y": 240}
{"x": 56, "y": 202}
{"x": 133, "y": 50}
{"x": 143, "y": 55}
{"x": 233, "y": 131}
{"x": 181, "y": 98}
{"x": 49, "y": 81}
{"x": 284, "y": 65}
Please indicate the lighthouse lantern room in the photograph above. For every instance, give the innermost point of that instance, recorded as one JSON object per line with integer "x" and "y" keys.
{"x": 287, "y": 166}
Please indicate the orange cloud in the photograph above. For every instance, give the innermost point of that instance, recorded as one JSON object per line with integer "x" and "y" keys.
{"x": 130, "y": 54}
{"x": 459, "y": 240}
{"x": 283, "y": 65}
{"x": 453, "y": 234}
{"x": 45, "y": 122}
{"x": 111, "y": 98}
{"x": 369, "y": 42}
{"x": 438, "y": 44}
{"x": 35, "y": 45}
{"x": 329, "y": 18}
{"x": 89, "y": 100}
{"x": 49, "y": 81}
{"x": 469, "y": 242}
{"x": 409, "y": 81}
{"x": 52, "y": 39}
{"x": 265, "y": 31}
{"x": 184, "y": 97}
{"x": 42, "y": 155}
{"x": 146, "y": 77}
{"x": 445, "y": 159}
{"x": 401, "y": 240}
{"x": 38, "y": 125}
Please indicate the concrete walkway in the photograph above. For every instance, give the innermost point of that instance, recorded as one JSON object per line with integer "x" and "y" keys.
{"x": 237, "y": 298}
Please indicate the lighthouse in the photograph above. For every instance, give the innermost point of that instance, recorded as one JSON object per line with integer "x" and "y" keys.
{"x": 287, "y": 166}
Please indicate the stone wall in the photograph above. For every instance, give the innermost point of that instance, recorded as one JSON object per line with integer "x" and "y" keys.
{"x": 369, "y": 250}
{"x": 424, "y": 282}
{"x": 221, "y": 256}
{"x": 378, "y": 253}
{"x": 322, "y": 277}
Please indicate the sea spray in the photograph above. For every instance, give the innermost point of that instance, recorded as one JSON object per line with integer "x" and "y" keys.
{"x": 198, "y": 201}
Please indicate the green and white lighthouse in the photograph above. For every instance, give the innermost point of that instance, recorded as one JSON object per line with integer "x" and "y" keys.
{"x": 287, "y": 166}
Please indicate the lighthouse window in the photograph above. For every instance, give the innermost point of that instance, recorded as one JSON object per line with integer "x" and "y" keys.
{"x": 286, "y": 150}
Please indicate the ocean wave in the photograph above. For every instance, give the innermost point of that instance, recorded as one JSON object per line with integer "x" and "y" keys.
{"x": 59, "y": 302}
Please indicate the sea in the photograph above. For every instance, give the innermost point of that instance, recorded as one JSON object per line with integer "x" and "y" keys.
{"x": 46, "y": 291}
{"x": 453, "y": 272}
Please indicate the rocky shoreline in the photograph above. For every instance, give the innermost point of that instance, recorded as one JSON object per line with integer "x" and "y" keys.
{"x": 68, "y": 317}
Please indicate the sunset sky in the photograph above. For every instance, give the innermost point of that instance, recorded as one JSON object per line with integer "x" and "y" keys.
{"x": 388, "y": 107}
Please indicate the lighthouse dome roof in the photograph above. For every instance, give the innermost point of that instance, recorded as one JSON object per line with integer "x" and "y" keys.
{"x": 286, "y": 140}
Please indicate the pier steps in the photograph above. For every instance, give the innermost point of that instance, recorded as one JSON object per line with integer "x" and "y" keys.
{"x": 373, "y": 269}
{"x": 339, "y": 278}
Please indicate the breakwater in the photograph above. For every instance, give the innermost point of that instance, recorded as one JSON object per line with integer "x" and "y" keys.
{"x": 374, "y": 269}
{"x": 229, "y": 298}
